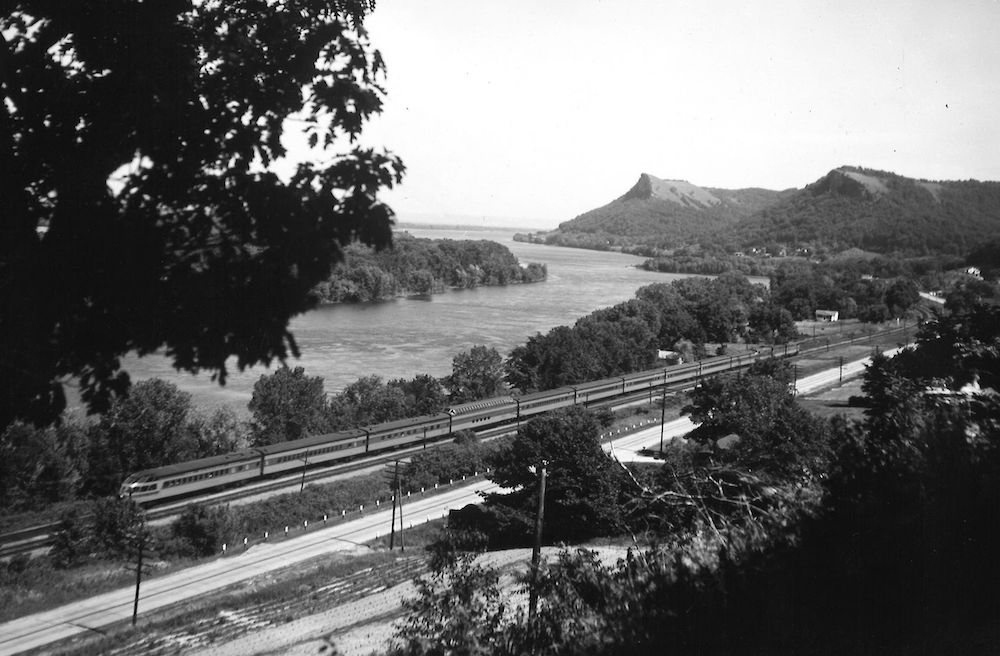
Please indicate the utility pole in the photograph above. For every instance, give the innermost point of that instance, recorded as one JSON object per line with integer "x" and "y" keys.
{"x": 397, "y": 498}
{"x": 841, "y": 369}
{"x": 138, "y": 578}
{"x": 663, "y": 415}
{"x": 305, "y": 463}
{"x": 536, "y": 552}
{"x": 141, "y": 539}
{"x": 399, "y": 495}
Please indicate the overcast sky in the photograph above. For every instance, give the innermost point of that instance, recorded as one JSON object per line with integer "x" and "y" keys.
{"x": 528, "y": 113}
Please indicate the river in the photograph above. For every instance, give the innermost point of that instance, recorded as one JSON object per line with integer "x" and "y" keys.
{"x": 404, "y": 337}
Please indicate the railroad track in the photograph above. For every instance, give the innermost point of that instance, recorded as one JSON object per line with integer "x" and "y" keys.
{"x": 40, "y": 537}
{"x": 37, "y": 538}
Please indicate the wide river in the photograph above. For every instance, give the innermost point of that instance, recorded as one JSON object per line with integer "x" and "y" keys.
{"x": 408, "y": 336}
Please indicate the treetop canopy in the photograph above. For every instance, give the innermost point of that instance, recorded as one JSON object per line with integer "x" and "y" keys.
{"x": 139, "y": 212}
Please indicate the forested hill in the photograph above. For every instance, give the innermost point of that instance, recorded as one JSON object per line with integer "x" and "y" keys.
{"x": 878, "y": 211}
{"x": 849, "y": 207}
{"x": 423, "y": 266}
{"x": 661, "y": 214}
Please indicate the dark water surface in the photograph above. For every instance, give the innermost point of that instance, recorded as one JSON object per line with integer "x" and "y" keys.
{"x": 408, "y": 336}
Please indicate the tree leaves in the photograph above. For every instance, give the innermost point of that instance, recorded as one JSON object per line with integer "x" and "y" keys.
{"x": 192, "y": 247}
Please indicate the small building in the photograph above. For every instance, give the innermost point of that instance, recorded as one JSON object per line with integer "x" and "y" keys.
{"x": 827, "y": 315}
{"x": 671, "y": 357}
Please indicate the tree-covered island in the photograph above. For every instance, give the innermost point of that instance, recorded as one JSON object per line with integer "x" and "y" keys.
{"x": 415, "y": 266}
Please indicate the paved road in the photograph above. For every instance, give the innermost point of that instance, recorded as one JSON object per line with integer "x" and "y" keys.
{"x": 92, "y": 614}
{"x": 37, "y": 630}
{"x": 628, "y": 449}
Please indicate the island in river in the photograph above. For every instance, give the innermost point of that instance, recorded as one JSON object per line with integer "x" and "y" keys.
{"x": 416, "y": 266}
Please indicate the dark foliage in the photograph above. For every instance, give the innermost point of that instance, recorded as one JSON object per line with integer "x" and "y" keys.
{"x": 464, "y": 457}
{"x": 769, "y": 434}
{"x": 71, "y": 542}
{"x": 626, "y": 337}
{"x": 583, "y": 483}
{"x": 890, "y": 549}
{"x": 135, "y": 218}
{"x": 423, "y": 266}
{"x": 475, "y": 374}
{"x": 114, "y": 524}
{"x": 878, "y": 211}
{"x": 986, "y": 257}
{"x": 287, "y": 405}
{"x": 200, "y": 531}
{"x": 39, "y": 467}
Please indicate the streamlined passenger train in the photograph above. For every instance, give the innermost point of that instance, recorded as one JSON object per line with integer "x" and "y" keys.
{"x": 247, "y": 464}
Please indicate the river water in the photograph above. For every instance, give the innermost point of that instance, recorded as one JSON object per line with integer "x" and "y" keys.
{"x": 408, "y": 336}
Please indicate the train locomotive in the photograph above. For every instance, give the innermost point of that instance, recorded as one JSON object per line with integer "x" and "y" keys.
{"x": 204, "y": 474}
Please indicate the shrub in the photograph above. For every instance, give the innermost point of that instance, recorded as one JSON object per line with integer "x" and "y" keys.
{"x": 71, "y": 543}
{"x": 200, "y": 530}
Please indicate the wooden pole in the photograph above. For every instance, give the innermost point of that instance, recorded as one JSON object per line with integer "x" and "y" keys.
{"x": 139, "y": 543}
{"x": 536, "y": 552}
{"x": 399, "y": 495}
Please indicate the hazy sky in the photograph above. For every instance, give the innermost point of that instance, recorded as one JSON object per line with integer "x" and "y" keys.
{"x": 529, "y": 113}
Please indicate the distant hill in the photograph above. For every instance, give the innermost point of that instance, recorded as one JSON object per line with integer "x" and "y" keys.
{"x": 850, "y": 207}
{"x": 661, "y": 214}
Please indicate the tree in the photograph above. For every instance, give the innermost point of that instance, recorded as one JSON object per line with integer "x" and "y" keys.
{"x": 901, "y": 295}
{"x": 217, "y": 433}
{"x": 200, "y": 529}
{"x": 40, "y": 465}
{"x": 115, "y": 523}
{"x": 776, "y": 435}
{"x": 424, "y": 394}
{"x": 770, "y": 324}
{"x": 287, "y": 405}
{"x": 459, "y": 609}
{"x": 138, "y": 210}
{"x": 71, "y": 541}
{"x": 476, "y": 374}
{"x": 583, "y": 483}
{"x": 366, "y": 401}
{"x": 146, "y": 429}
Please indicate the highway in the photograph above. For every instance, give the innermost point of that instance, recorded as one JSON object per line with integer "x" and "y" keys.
{"x": 92, "y": 614}
{"x": 34, "y": 631}
{"x": 632, "y": 447}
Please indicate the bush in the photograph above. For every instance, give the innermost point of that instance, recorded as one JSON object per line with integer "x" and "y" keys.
{"x": 200, "y": 531}
{"x": 71, "y": 543}
{"x": 115, "y": 520}
{"x": 449, "y": 462}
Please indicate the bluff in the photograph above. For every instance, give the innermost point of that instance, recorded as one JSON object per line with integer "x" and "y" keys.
{"x": 660, "y": 213}
{"x": 849, "y": 207}
{"x": 879, "y": 211}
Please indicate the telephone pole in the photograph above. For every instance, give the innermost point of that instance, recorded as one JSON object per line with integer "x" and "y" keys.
{"x": 142, "y": 540}
{"x": 536, "y": 552}
{"x": 397, "y": 498}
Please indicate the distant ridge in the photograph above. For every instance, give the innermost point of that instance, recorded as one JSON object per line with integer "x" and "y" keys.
{"x": 660, "y": 213}
{"x": 849, "y": 207}
{"x": 879, "y": 211}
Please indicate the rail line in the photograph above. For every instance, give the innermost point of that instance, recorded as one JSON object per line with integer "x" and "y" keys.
{"x": 39, "y": 537}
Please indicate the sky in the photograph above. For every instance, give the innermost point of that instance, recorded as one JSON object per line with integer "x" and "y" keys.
{"x": 529, "y": 113}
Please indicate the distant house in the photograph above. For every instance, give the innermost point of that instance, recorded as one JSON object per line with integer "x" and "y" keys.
{"x": 671, "y": 357}
{"x": 827, "y": 315}
{"x": 975, "y": 272}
